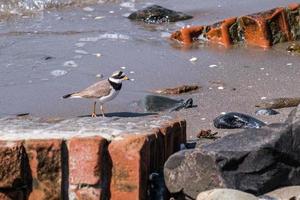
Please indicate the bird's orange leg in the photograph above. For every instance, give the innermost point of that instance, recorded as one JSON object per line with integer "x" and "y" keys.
{"x": 94, "y": 111}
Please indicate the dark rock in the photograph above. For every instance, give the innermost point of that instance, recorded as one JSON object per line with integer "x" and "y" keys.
{"x": 266, "y": 112}
{"x": 254, "y": 160}
{"x": 156, "y": 14}
{"x": 237, "y": 120}
{"x": 155, "y": 103}
{"x": 158, "y": 189}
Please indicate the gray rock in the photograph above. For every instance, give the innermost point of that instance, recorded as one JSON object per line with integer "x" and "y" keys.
{"x": 266, "y": 111}
{"x": 225, "y": 194}
{"x": 254, "y": 160}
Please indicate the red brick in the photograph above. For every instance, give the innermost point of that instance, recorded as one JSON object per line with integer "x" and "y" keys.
{"x": 136, "y": 156}
{"x": 258, "y": 27}
{"x": 188, "y": 34}
{"x": 130, "y": 167}
{"x": 219, "y": 32}
{"x": 88, "y": 194}
{"x": 45, "y": 158}
{"x": 86, "y": 160}
{"x": 13, "y": 164}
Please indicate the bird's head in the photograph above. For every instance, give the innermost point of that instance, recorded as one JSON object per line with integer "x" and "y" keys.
{"x": 118, "y": 77}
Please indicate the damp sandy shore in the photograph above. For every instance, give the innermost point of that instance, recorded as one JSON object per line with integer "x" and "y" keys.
{"x": 51, "y": 53}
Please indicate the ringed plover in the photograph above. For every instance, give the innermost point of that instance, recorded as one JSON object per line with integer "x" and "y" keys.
{"x": 102, "y": 91}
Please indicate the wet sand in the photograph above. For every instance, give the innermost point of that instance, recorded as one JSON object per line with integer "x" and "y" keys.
{"x": 49, "y": 54}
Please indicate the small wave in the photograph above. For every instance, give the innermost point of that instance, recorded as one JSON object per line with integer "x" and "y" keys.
{"x": 20, "y": 7}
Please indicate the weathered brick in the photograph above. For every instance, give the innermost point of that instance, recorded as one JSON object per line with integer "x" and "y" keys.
{"x": 293, "y": 15}
{"x": 45, "y": 162}
{"x": 262, "y": 29}
{"x": 136, "y": 156}
{"x": 219, "y": 32}
{"x": 86, "y": 160}
{"x": 188, "y": 34}
{"x": 13, "y": 164}
{"x": 265, "y": 28}
{"x": 130, "y": 167}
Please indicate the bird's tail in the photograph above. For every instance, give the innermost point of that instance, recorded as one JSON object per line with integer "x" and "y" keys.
{"x": 67, "y": 96}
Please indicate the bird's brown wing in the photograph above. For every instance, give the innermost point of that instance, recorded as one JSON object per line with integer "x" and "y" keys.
{"x": 97, "y": 90}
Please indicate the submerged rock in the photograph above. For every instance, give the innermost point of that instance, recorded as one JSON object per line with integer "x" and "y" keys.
{"x": 178, "y": 90}
{"x": 155, "y": 103}
{"x": 237, "y": 120}
{"x": 156, "y": 14}
{"x": 279, "y": 103}
{"x": 266, "y": 112}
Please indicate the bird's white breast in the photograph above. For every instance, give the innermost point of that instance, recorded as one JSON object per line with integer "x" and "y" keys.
{"x": 113, "y": 93}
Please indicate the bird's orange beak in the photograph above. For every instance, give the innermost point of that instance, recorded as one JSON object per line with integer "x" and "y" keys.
{"x": 126, "y": 78}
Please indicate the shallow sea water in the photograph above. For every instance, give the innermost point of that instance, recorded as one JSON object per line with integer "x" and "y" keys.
{"x": 49, "y": 53}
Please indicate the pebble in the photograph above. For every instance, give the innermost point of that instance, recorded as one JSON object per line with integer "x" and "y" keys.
{"x": 263, "y": 98}
{"x": 193, "y": 59}
{"x": 220, "y": 88}
{"x": 97, "y": 54}
{"x": 289, "y": 64}
{"x": 131, "y": 72}
{"x": 212, "y": 66}
{"x": 111, "y": 12}
{"x": 58, "y": 72}
{"x": 266, "y": 112}
{"x": 70, "y": 63}
{"x": 99, "y": 75}
{"x": 123, "y": 67}
{"x": 99, "y": 17}
{"x": 88, "y": 9}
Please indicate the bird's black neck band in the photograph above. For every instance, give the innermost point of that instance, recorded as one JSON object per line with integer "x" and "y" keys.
{"x": 116, "y": 86}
